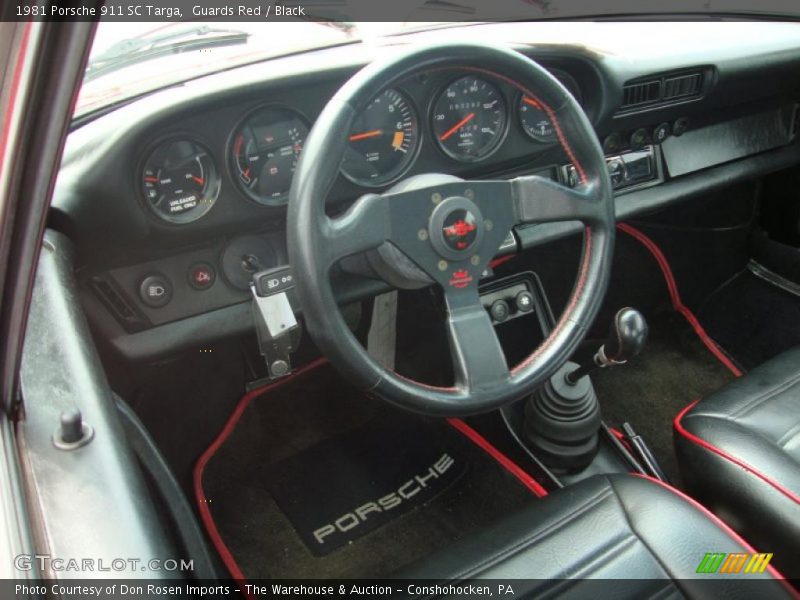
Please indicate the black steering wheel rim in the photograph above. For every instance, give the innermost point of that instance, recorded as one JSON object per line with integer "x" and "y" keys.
{"x": 316, "y": 241}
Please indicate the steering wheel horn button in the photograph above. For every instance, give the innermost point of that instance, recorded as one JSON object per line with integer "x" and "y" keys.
{"x": 456, "y": 228}
{"x": 460, "y": 229}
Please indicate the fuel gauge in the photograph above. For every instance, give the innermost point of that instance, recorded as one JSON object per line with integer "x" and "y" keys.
{"x": 180, "y": 181}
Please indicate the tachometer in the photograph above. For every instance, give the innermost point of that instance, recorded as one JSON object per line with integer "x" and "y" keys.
{"x": 534, "y": 120}
{"x": 469, "y": 119}
{"x": 180, "y": 181}
{"x": 264, "y": 153}
{"x": 383, "y": 141}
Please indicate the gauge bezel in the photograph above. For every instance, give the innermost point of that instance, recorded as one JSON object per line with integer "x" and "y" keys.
{"x": 500, "y": 138}
{"x": 571, "y": 85}
{"x": 412, "y": 158}
{"x": 281, "y": 200}
{"x": 534, "y": 137}
{"x": 212, "y": 189}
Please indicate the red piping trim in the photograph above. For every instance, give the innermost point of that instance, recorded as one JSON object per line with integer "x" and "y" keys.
{"x": 200, "y": 497}
{"x": 14, "y": 91}
{"x": 718, "y": 522}
{"x": 712, "y": 448}
{"x": 508, "y": 464}
{"x": 677, "y": 304}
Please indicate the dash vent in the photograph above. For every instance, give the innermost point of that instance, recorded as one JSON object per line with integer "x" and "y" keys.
{"x": 638, "y": 94}
{"x": 668, "y": 88}
{"x": 682, "y": 86}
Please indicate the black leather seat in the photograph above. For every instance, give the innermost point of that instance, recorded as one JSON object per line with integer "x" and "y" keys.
{"x": 739, "y": 454}
{"x": 646, "y": 536}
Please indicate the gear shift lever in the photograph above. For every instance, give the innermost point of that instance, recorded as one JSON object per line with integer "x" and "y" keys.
{"x": 562, "y": 417}
{"x": 626, "y": 338}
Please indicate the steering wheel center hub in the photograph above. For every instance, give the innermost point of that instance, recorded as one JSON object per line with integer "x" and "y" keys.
{"x": 456, "y": 228}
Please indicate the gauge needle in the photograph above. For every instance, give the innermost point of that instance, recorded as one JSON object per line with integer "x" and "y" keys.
{"x": 531, "y": 101}
{"x": 456, "y": 127}
{"x": 367, "y": 134}
{"x": 151, "y": 179}
{"x": 198, "y": 180}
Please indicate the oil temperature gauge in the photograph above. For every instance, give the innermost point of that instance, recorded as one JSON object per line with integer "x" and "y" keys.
{"x": 180, "y": 181}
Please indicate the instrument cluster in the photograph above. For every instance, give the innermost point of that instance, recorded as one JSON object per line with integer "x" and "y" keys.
{"x": 468, "y": 118}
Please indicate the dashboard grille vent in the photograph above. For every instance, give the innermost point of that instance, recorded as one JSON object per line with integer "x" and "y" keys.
{"x": 682, "y": 86}
{"x": 645, "y": 92}
{"x": 666, "y": 88}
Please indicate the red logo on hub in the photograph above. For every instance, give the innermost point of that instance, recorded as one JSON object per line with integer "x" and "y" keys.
{"x": 460, "y": 279}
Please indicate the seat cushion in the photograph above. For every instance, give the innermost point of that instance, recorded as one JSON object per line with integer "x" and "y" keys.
{"x": 739, "y": 454}
{"x": 642, "y": 533}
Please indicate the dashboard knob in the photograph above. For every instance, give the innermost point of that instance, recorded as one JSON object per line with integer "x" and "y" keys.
{"x": 680, "y": 126}
{"x": 524, "y": 301}
{"x": 639, "y": 138}
{"x": 661, "y": 133}
{"x": 499, "y": 310}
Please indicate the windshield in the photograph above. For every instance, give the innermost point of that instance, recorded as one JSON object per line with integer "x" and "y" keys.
{"x": 130, "y": 59}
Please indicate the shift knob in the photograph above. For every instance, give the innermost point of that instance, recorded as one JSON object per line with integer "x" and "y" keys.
{"x": 626, "y": 338}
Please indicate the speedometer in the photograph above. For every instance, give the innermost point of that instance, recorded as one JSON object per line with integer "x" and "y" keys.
{"x": 383, "y": 141}
{"x": 469, "y": 119}
{"x": 264, "y": 153}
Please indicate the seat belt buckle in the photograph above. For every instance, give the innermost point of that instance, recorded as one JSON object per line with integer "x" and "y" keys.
{"x": 277, "y": 328}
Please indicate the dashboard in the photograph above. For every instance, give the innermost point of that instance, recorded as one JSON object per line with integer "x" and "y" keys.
{"x": 449, "y": 118}
{"x": 174, "y": 200}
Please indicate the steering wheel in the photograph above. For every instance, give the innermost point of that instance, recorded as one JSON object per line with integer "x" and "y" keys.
{"x": 451, "y": 229}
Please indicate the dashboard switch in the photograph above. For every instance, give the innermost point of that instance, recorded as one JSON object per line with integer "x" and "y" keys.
{"x": 524, "y": 301}
{"x": 202, "y": 276}
{"x": 155, "y": 291}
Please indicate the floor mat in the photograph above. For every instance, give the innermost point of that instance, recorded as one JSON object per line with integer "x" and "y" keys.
{"x": 264, "y": 514}
{"x": 752, "y": 319}
{"x": 674, "y": 369}
{"x": 367, "y": 477}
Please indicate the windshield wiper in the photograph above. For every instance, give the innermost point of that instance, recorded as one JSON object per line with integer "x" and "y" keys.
{"x": 131, "y": 51}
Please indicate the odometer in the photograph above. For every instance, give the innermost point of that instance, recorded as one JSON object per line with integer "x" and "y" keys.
{"x": 383, "y": 140}
{"x": 469, "y": 119}
{"x": 264, "y": 153}
{"x": 180, "y": 181}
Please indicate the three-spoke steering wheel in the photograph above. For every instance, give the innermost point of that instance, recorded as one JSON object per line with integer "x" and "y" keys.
{"x": 451, "y": 230}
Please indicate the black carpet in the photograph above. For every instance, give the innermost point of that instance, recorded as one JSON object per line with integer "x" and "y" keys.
{"x": 753, "y": 320}
{"x": 674, "y": 369}
{"x": 263, "y": 497}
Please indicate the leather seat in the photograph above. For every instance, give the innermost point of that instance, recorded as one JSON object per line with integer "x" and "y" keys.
{"x": 643, "y": 534}
{"x": 739, "y": 454}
